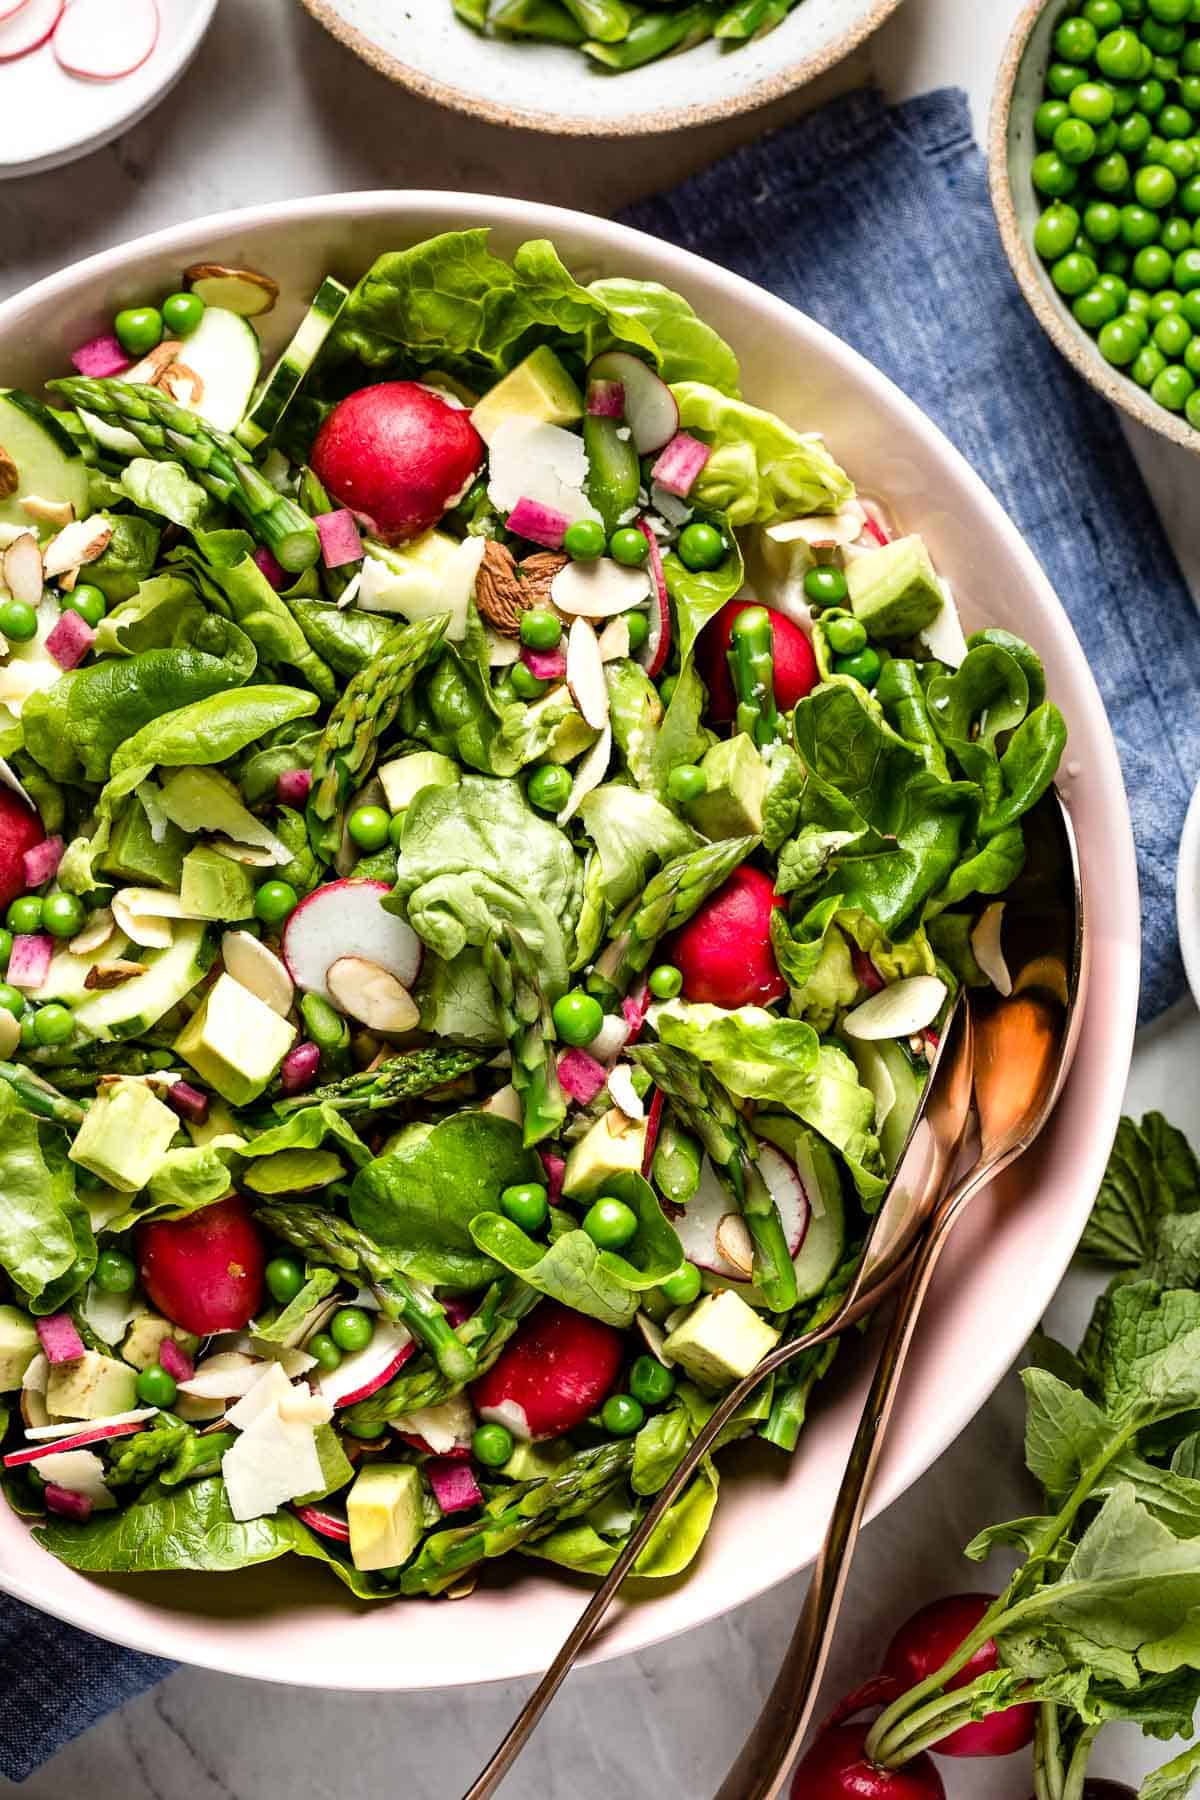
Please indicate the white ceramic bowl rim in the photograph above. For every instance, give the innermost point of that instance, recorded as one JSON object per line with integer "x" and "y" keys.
{"x": 274, "y": 1624}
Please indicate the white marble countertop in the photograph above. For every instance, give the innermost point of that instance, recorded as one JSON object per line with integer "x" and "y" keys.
{"x": 274, "y": 109}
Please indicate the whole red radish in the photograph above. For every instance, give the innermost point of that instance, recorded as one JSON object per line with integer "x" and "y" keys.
{"x": 836, "y": 1768}
{"x": 724, "y": 951}
{"x": 795, "y": 665}
{"x": 919, "y": 1649}
{"x": 204, "y": 1272}
{"x": 553, "y": 1373}
{"x": 398, "y": 456}
{"x": 20, "y": 830}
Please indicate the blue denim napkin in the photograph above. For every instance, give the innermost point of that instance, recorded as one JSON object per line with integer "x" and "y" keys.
{"x": 877, "y": 222}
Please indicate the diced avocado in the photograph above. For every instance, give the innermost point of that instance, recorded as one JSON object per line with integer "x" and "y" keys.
{"x": 125, "y": 1134}
{"x": 91, "y": 1387}
{"x": 215, "y": 887}
{"x": 572, "y": 735}
{"x": 234, "y": 1041}
{"x": 535, "y": 1462}
{"x": 721, "y": 1340}
{"x": 538, "y": 388}
{"x": 405, "y": 776}
{"x": 615, "y": 1145}
{"x": 146, "y": 1336}
{"x": 47, "y": 460}
{"x": 895, "y": 590}
{"x": 386, "y": 1515}
{"x": 134, "y": 856}
{"x": 18, "y": 1347}
{"x": 825, "y": 1239}
{"x": 132, "y": 1008}
{"x": 732, "y": 802}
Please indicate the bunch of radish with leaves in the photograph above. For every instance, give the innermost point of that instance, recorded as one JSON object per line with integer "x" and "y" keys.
{"x": 1100, "y": 1621}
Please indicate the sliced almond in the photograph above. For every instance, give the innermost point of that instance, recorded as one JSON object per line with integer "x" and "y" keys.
{"x": 735, "y": 1243}
{"x": 77, "y": 544}
{"x": 147, "y": 372}
{"x": 254, "y": 856}
{"x": 35, "y": 1414}
{"x": 589, "y": 774}
{"x": 259, "y": 969}
{"x": 183, "y": 384}
{"x": 148, "y": 902}
{"x": 822, "y": 530}
{"x": 463, "y": 1588}
{"x": 97, "y": 931}
{"x": 505, "y": 1103}
{"x": 898, "y": 1010}
{"x": 246, "y": 292}
{"x": 600, "y": 589}
{"x": 653, "y": 1336}
{"x": 105, "y": 975}
{"x": 614, "y": 640}
{"x": 153, "y": 931}
{"x": 48, "y": 512}
{"x": 10, "y": 479}
{"x": 624, "y": 1095}
{"x": 371, "y": 994}
{"x": 585, "y": 673}
{"x": 10, "y": 1034}
{"x": 988, "y": 948}
{"x": 24, "y": 575}
{"x": 502, "y": 651}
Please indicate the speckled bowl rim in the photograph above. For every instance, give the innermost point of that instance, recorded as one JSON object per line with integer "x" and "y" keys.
{"x": 683, "y": 118}
{"x": 1079, "y": 349}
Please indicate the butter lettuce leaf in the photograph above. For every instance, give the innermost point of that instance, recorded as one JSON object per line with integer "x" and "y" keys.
{"x": 761, "y": 469}
{"x": 47, "y": 1249}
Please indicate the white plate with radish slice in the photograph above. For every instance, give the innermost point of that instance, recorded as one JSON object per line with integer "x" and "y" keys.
{"x": 75, "y": 73}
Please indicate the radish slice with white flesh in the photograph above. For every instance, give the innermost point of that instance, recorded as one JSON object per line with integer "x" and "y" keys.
{"x": 598, "y": 590}
{"x": 898, "y": 1011}
{"x": 655, "y": 651}
{"x": 28, "y": 27}
{"x": 988, "y": 949}
{"x": 103, "y": 42}
{"x": 650, "y": 408}
{"x": 46, "y": 1440}
{"x": 11, "y": 10}
{"x": 325, "y": 1524}
{"x": 702, "y": 1225}
{"x": 364, "y": 1372}
{"x": 346, "y": 919}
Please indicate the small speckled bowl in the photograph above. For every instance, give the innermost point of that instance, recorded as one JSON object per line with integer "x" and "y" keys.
{"x": 1012, "y": 147}
{"x": 548, "y": 87}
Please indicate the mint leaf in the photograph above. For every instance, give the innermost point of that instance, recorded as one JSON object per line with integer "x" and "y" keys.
{"x": 1152, "y": 1172}
{"x": 1149, "y": 1352}
{"x": 1175, "y": 1779}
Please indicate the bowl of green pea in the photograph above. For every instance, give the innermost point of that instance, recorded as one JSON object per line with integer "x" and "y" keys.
{"x": 1095, "y": 175}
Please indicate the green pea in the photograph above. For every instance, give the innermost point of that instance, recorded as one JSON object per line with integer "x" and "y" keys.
{"x": 1175, "y": 122}
{"x": 368, "y": 827}
{"x": 12, "y": 999}
{"x": 1152, "y": 266}
{"x": 1148, "y": 365}
{"x": 1095, "y": 308}
{"x": 396, "y": 829}
{"x": 665, "y": 981}
{"x": 1139, "y": 301}
{"x": 155, "y": 1387}
{"x": 1102, "y": 221}
{"x": 1073, "y": 274}
{"x": 666, "y": 688}
{"x": 182, "y": 313}
{"x": 139, "y": 329}
{"x": 1116, "y": 262}
{"x": 1187, "y": 270}
{"x": 1062, "y": 77}
{"x": 24, "y": 915}
{"x": 577, "y": 1017}
{"x": 29, "y": 1036}
{"x": 1124, "y": 95}
{"x": 1103, "y": 14}
{"x": 1189, "y": 307}
{"x": 524, "y": 682}
{"x": 5, "y": 947}
{"x": 1152, "y": 97}
{"x": 1165, "y": 301}
{"x": 1192, "y": 410}
{"x": 1170, "y": 12}
{"x": 1106, "y": 138}
{"x": 1083, "y": 246}
{"x": 638, "y": 627}
{"x": 1075, "y": 40}
{"x": 825, "y": 585}
{"x": 1176, "y": 236}
{"x": 541, "y": 629}
{"x": 1180, "y": 158}
{"x": 610, "y": 1223}
{"x": 115, "y": 1273}
{"x": 846, "y": 635}
{"x": 686, "y": 782}
{"x": 53, "y": 1024}
{"x": 275, "y": 901}
{"x": 683, "y": 1287}
{"x": 700, "y": 546}
{"x": 1110, "y": 174}
{"x": 628, "y": 547}
{"x": 1112, "y": 284}
{"x": 1055, "y": 178}
{"x": 1119, "y": 55}
{"x": 285, "y": 1278}
{"x": 1191, "y": 356}
{"x": 1133, "y": 133}
{"x": 1165, "y": 40}
{"x": 1139, "y": 226}
{"x": 1155, "y": 187}
{"x": 1048, "y": 117}
{"x": 322, "y": 1346}
{"x": 1156, "y": 149}
{"x": 1173, "y": 387}
{"x": 367, "y": 1428}
{"x": 650, "y": 1381}
{"x": 864, "y": 666}
{"x": 1092, "y": 102}
{"x": 549, "y": 787}
{"x": 492, "y": 1445}
{"x": 351, "y": 1328}
{"x": 526, "y": 1204}
{"x": 62, "y": 915}
{"x": 623, "y": 1415}
{"x": 18, "y": 621}
{"x": 88, "y": 601}
{"x": 584, "y": 540}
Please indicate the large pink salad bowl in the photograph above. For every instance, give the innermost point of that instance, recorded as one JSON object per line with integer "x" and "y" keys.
{"x": 286, "y": 1622}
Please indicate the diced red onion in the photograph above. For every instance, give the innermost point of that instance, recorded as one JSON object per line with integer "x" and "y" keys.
{"x": 453, "y": 1482}
{"x": 70, "y": 640}
{"x": 866, "y": 972}
{"x": 340, "y": 540}
{"x": 679, "y": 466}
{"x": 175, "y": 1360}
{"x": 606, "y": 399}
{"x": 41, "y": 863}
{"x": 547, "y": 665}
{"x": 101, "y": 357}
{"x": 69, "y": 1505}
{"x": 635, "y": 1007}
{"x": 188, "y": 1101}
{"x": 581, "y": 1076}
{"x": 292, "y": 787}
{"x": 29, "y": 960}
{"x": 458, "y": 1310}
{"x": 540, "y": 524}
{"x": 59, "y": 1338}
{"x": 266, "y": 565}
{"x": 556, "y": 1168}
{"x": 300, "y": 1068}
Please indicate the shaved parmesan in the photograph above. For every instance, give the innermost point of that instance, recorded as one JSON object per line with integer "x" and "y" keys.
{"x": 531, "y": 461}
{"x": 442, "y": 1427}
{"x": 271, "y": 1387}
{"x": 80, "y": 1472}
{"x": 274, "y": 1460}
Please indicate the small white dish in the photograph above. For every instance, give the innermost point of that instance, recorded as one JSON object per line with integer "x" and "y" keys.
{"x": 1187, "y": 894}
{"x": 48, "y": 117}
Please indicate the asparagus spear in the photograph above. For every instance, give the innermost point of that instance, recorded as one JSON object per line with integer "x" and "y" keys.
{"x": 670, "y": 898}
{"x": 707, "y": 1111}
{"x": 751, "y": 18}
{"x": 517, "y": 1516}
{"x": 326, "y": 1238}
{"x": 654, "y": 35}
{"x": 362, "y": 717}
{"x": 37, "y": 1096}
{"x": 752, "y": 666}
{"x": 529, "y": 1028}
{"x": 399, "y": 1078}
{"x": 544, "y": 19}
{"x": 219, "y": 463}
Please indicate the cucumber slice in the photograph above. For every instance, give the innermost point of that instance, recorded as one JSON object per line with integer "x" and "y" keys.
{"x": 224, "y": 352}
{"x": 897, "y": 1081}
{"x": 66, "y": 978}
{"x": 47, "y": 461}
{"x": 825, "y": 1240}
{"x": 130, "y": 1010}
{"x": 278, "y": 390}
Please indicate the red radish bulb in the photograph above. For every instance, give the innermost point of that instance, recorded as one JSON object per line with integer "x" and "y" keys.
{"x": 204, "y": 1272}
{"x": 795, "y": 665}
{"x": 20, "y": 831}
{"x": 919, "y": 1649}
{"x": 724, "y": 952}
{"x": 836, "y": 1768}
{"x": 398, "y": 456}
{"x": 554, "y": 1372}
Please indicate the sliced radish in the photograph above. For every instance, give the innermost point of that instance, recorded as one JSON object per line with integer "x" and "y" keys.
{"x": 657, "y": 648}
{"x": 547, "y": 665}
{"x": 28, "y": 27}
{"x": 325, "y": 1524}
{"x": 606, "y": 399}
{"x": 346, "y": 919}
{"x": 340, "y": 540}
{"x": 712, "y": 1242}
{"x": 650, "y": 407}
{"x": 598, "y": 590}
{"x": 53, "y": 1438}
{"x": 103, "y": 42}
{"x": 364, "y": 1372}
{"x": 67, "y": 1504}
{"x": 10, "y": 8}
{"x": 100, "y": 356}
{"x": 78, "y": 1472}
{"x": 898, "y": 1011}
{"x": 41, "y": 863}
{"x": 581, "y": 1076}
{"x": 653, "y": 1127}
{"x": 556, "y": 1168}
{"x": 29, "y": 960}
{"x": 555, "y": 1371}
{"x": 70, "y": 641}
{"x": 585, "y": 674}
{"x": 292, "y": 787}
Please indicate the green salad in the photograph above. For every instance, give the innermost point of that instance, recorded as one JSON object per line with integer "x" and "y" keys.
{"x": 617, "y": 35}
{"x": 473, "y": 951}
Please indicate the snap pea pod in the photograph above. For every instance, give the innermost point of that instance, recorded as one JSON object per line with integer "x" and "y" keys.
{"x": 677, "y": 1158}
{"x": 544, "y": 19}
{"x": 329, "y": 1030}
{"x": 606, "y": 20}
{"x": 525, "y": 1010}
{"x": 614, "y": 476}
{"x": 752, "y": 666}
{"x": 37, "y": 1096}
{"x": 751, "y": 18}
{"x": 654, "y": 35}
